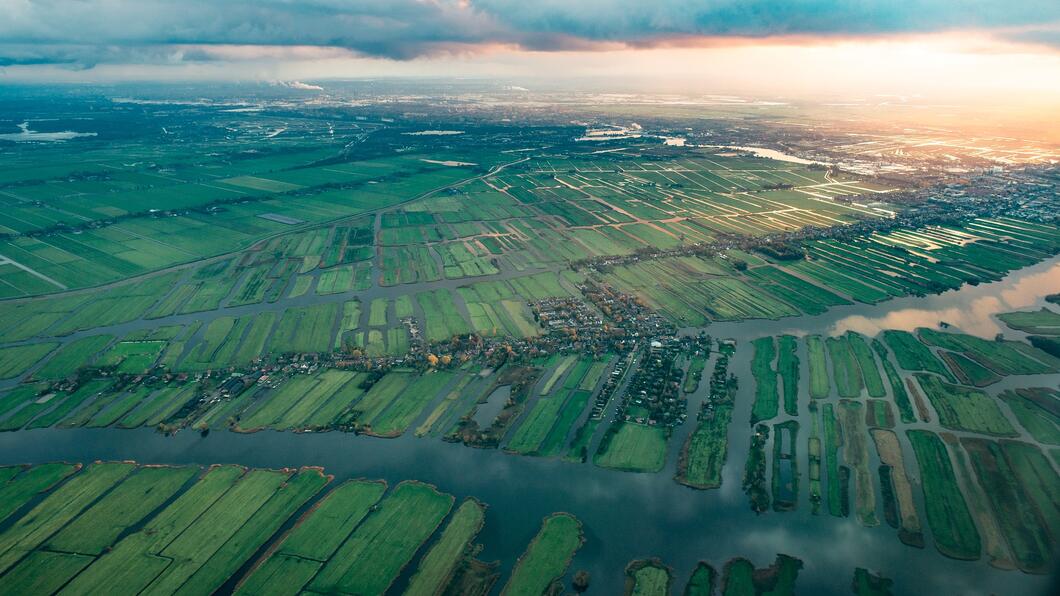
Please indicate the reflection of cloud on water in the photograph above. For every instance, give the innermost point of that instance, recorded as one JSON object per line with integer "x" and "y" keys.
{"x": 1028, "y": 289}
{"x": 825, "y": 546}
{"x": 853, "y": 546}
{"x": 975, "y": 317}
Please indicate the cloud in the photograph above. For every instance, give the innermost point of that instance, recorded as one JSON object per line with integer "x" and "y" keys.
{"x": 302, "y": 86}
{"x": 1043, "y": 36}
{"x": 88, "y": 32}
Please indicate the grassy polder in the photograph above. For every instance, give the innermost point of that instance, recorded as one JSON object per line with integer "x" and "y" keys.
{"x": 951, "y": 524}
{"x": 742, "y": 579}
{"x": 705, "y": 452}
{"x": 1033, "y": 411}
{"x": 845, "y": 369}
{"x": 703, "y": 580}
{"x": 19, "y": 484}
{"x": 898, "y": 392}
{"x": 819, "y": 379}
{"x": 767, "y": 399}
{"x": 547, "y": 557}
{"x": 788, "y": 368}
{"x": 1018, "y": 517}
{"x": 1041, "y": 322}
{"x": 964, "y": 408}
{"x": 313, "y": 540}
{"x": 633, "y": 448}
{"x": 16, "y": 360}
{"x": 890, "y": 452}
{"x": 647, "y": 578}
{"x": 913, "y": 355}
{"x": 438, "y": 565}
{"x": 402, "y": 522}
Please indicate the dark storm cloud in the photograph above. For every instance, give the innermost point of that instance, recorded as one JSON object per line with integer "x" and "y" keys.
{"x": 89, "y": 31}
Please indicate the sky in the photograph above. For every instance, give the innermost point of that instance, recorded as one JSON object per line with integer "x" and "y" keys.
{"x": 947, "y": 48}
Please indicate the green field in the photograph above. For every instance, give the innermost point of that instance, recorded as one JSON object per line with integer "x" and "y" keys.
{"x": 633, "y": 448}
{"x": 788, "y": 369}
{"x": 98, "y": 527}
{"x": 547, "y": 557}
{"x": 913, "y": 355}
{"x": 898, "y": 392}
{"x": 742, "y": 579}
{"x": 1033, "y": 409}
{"x": 648, "y": 578}
{"x": 304, "y": 329}
{"x": 856, "y": 456}
{"x": 438, "y": 565}
{"x": 703, "y": 581}
{"x": 544, "y": 428}
{"x": 20, "y": 485}
{"x": 820, "y": 386}
{"x": 314, "y": 539}
{"x": 57, "y": 509}
{"x": 202, "y": 537}
{"x": 1022, "y": 524}
{"x": 1040, "y": 322}
{"x": 947, "y": 514}
{"x": 845, "y": 368}
{"x": 16, "y": 360}
{"x": 376, "y": 552}
{"x": 767, "y": 400}
{"x": 1002, "y": 357}
{"x": 72, "y": 356}
{"x": 835, "y": 490}
{"x": 396, "y": 417}
{"x": 442, "y": 320}
{"x": 870, "y": 373}
{"x": 964, "y": 408}
{"x": 704, "y": 454}
{"x": 296, "y": 401}
{"x": 968, "y": 371}
{"x": 133, "y": 357}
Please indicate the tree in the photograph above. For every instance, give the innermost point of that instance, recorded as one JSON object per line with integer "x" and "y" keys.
{"x": 581, "y": 581}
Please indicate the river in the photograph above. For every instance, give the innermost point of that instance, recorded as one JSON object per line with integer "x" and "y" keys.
{"x": 625, "y": 515}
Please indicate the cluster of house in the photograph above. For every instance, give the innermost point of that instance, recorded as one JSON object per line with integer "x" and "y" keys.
{"x": 653, "y": 396}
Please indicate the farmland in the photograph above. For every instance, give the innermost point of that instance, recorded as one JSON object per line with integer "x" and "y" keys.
{"x": 952, "y": 525}
{"x": 963, "y": 408}
{"x": 766, "y": 397}
{"x": 545, "y": 426}
{"x": 334, "y": 256}
{"x": 842, "y": 433}
{"x": 501, "y": 310}
{"x": 547, "y": 557}
{"x": 362, "y": 564}
{"x": 440, "y": 562}
{"x": 186, "y": 528}
{"x": 648, "y": 578}
{"x": 633, "y": 447}
{"x": 844, "y": 429}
